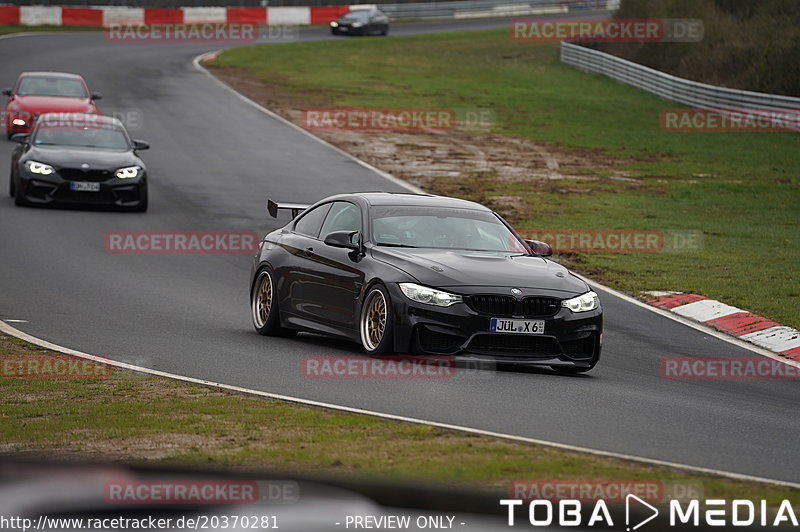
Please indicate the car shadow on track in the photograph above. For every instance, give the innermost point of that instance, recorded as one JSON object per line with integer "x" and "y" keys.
{"x": 342, "y": 347}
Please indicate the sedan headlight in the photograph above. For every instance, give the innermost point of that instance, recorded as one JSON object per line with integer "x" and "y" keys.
{"x": 429, "y": 296}
{"x": 39, "y": 168}
{"x": 334, "y": 24}
{"x": 20, "y": 118}
{"x": 582, "y": 303}
{"x": 128, "y": 173}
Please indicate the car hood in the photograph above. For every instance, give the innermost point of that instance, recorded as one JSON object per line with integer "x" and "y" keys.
{"x": 73, "y": 158}
{"x": 472, "y": 272}
{"x": 55, "y": 104}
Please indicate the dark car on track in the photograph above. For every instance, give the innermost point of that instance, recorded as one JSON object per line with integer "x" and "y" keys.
{"x": 37, "y": 93}
{"x": 361, "y": 22}
{"x": 79, "y": 159}
{"x": 422, "y": 274}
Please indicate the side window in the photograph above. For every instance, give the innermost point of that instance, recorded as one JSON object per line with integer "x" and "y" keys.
{"x": 311, "y": 221}
{"x": 343, "y": 216}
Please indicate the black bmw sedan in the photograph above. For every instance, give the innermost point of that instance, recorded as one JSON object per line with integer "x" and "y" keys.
{"x": 361, "y": 22}
{"x": 421, "y": 274}
{"x": 78, "y": 159}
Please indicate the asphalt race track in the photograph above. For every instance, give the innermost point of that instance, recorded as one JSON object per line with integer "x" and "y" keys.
{"x": 214, "y": 161}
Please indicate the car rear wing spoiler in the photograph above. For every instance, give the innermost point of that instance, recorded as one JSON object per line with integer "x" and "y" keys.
{"x": 273, "y": 207}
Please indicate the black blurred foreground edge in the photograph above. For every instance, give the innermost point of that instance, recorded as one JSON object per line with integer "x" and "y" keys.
{"x": 62, "y": 496}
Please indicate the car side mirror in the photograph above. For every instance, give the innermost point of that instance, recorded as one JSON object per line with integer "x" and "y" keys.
{"x": 539, "y": 248}
{"x": 140, "y": 145}
{"x": 342, "y": 239}
{"x": 19, "y": 138}
{"x": 7, "y": 92}
{"x": 97, "y": 96}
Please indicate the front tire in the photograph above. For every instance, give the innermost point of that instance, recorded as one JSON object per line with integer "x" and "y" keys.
{"x": 376, "y": 325}
{"x": 19, "y": 199}
{"x": 264, "y": 306}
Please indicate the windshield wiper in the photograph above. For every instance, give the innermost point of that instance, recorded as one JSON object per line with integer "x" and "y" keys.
{"x": 391, "y": 245}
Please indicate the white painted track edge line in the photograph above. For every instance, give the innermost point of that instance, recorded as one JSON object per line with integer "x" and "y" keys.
{"x": 389, "y": 177}
{"x": 12, "y": 331}
{"x": 694, "y": 324}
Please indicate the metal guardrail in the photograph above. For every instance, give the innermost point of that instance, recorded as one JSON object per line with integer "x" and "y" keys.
{"x": 671, "y": 87}
{"x": 464, "y": 9}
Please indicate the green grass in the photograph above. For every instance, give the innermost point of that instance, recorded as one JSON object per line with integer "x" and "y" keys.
{"x": 129, "y": 417}
{"x": 742, "y": 190}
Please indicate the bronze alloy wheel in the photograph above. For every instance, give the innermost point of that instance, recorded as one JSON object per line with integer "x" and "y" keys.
{"x": 262, "y": 300}
{"x": 373, "y": 320}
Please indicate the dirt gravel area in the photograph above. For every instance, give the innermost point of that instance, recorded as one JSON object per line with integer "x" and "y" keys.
{"x": 449, "y": 162}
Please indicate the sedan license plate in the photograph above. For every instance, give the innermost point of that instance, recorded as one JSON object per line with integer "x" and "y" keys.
{"x": 502, "y": 325}
{"x": 82, "y": 186}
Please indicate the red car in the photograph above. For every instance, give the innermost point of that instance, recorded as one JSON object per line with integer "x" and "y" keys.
{"x": 45, "y": 92}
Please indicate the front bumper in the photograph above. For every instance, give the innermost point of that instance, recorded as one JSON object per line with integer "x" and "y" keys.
{"x": 53, "y": 189}
{"x": 347, "y": 30}
{"x": 569, "y": 339}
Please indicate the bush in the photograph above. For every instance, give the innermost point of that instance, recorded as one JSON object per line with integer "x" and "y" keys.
{"x": 747, "y": 44}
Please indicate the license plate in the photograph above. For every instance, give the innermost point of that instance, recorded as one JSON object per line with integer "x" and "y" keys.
{"x": 502, "y": 325}
{"x": 82, "y": 186}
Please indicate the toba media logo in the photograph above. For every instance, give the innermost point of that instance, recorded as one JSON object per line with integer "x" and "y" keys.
{"x": 638, "y": 512}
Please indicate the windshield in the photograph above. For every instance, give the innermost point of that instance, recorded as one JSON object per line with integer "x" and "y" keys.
{"x": 442, "y": 228}
{"x": 44, "y": 86}
{"x": 103, "y": 138}
{"x": 357, "y": 15}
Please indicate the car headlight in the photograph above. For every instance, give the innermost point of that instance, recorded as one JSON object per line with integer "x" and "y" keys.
{"x": 20, "y": 118}
{"x": 582, "y": 303}
{"x": 357, "y": 24}
{"x": 334, "y": 24}
{"x": 429, "y": 296}
{"x": 39, "y": 168}
{"x": 128, "y": 173}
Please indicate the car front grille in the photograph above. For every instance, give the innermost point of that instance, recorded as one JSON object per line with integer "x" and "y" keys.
{"x": 76, "y": 174}
{"x": 515, "y": 344}
{"x": 494, "y": 305}
{"x": 507, "y": 306}
{"x": 103, "y": 197}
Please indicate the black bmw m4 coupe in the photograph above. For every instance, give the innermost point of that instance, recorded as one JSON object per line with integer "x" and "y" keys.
{"x": 422, "y": 274}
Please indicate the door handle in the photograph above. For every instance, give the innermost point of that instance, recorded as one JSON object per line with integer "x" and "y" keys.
{"x": 309, "y": 251}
